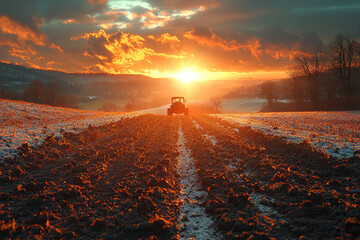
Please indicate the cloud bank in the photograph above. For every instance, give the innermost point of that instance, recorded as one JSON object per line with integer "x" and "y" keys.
{"x": 158, "y": 36}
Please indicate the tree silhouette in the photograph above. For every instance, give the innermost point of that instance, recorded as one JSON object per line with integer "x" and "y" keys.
{"x": 343, "y": 57}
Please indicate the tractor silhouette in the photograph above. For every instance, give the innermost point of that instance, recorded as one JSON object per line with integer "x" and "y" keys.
{"x": 178, "y": 106}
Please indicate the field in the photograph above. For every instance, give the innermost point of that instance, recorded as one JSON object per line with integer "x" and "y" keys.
{"x": 22, "y": 122}
{"x": 144, "y": 176}
{"x": 95, "y": 105}
{"x": 334, "y": 133}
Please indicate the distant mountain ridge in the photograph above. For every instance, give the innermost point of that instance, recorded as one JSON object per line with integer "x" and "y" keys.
{"x": 17, "y": 77}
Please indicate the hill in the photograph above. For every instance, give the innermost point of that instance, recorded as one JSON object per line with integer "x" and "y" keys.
{"x": 30, "y": 123}
{"x": 157, "y": 177}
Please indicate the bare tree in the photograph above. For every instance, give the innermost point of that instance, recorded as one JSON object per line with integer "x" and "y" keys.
{"x": 295, "y": 83}
{"x": 311, "y": 68}
{"x": 35, "y": 92}
{"x": 216, "y": 104}
{"x": 268, "y": 90}
{"x": 53, "y": 93}
{"x": 343, "y": 57}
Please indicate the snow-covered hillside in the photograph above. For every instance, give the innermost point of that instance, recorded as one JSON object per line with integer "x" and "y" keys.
{"x": 22, "y": 122}
{"x": 336, "y": 133}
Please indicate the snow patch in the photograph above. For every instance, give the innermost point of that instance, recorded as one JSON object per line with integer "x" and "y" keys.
{"x": 22, "y": 122}
{"x": 334, "y": 133}
{"x": 258, "y": 199}
{"x": 193, "y": 222}
{"x": 197, "y": 125}
{"x": 212, "y": 139}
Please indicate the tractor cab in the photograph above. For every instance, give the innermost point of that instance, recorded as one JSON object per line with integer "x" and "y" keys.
{"x": 177, "y": 106}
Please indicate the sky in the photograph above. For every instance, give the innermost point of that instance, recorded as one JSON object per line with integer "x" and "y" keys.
{"x": 205, "y": 39}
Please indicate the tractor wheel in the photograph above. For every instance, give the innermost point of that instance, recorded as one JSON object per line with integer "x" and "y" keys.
{"x": 169, "y": 113}
{"x": 186, "y": 112}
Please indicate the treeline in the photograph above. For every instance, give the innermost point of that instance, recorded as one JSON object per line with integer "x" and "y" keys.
{"x": 42, "y": 93}
{"x": 326, "y": 79}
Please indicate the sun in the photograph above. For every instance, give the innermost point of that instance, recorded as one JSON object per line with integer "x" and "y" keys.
{"x": 186, "y": 76}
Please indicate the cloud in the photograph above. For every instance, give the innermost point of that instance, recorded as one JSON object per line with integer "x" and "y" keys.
{"x": 201, "y": 32}
{"x": 145, "y": 18}
{"x": 184, "y": 4}
{"x": 54, "y": 46}
{"x": 32, "y": 12}
{"x": 23, "y": 32}
{"x": 24, "y": 12}
{"x": 166, "y": 35}
{"x": 167, "y": 38}
{"x": 311, "y": 42}
{"x": 204, "y": 36}
{"x": 68, "y": 9}
{"x": 122, "y": 52}
{"x": 97, "y": 2}
{"x": 327, "y": 18}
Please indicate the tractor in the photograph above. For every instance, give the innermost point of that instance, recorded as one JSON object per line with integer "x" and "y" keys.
{"x": 178, "y": 106}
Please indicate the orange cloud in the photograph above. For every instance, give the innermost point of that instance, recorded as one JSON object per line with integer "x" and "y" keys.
{"x": 24, "y": 33}
{"x": 120, "y": 53}
{"x": 281, "y": 51}
{"x": 24, "y": 54}
{"x": 167, "y": 38}
{"x": 33, "y": 65}
{"x": 56, "y": 47}
{"x": 150, "y": 20}
{"x": 8, "y": 42}
{"x": 206, "y": 37}
{"x": 97, "y": 2}
{"x": 125, "y": 53}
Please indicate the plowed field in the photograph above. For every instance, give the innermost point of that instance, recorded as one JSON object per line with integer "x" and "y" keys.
{"x": 159, "y": 177}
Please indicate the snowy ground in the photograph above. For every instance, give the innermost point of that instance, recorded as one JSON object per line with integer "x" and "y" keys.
{"x": 255, "y": 198}
{"x": 22, "y": 122}
{"x": 193, "y": 221}
{"x": 336, "y": 133}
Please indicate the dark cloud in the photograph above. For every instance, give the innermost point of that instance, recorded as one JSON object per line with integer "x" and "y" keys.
{"x": 96, "y": 47}
{"x": 327, "y": 18}
{"x": 68, "y": 9}
{"x": 139, "y": 10}
{"x": 203, "y": 32}
{"x": 311, "y": 42}
{"x": 230, "y": 35}
{"x": 276, "y": 35}
{"x": 24, "y": 12}
{"x": 31, "y": 12}
{"x": 23, "y": 22}
{"x": 183, "y": 4}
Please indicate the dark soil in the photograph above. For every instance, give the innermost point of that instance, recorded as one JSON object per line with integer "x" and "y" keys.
{"x": 316, "y": 197}
{"x": 120, "y": 181}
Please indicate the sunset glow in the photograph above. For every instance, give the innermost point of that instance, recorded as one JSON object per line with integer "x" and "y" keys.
{"x": 187, "y": 76}
{"x": 157, "y": 38}
{"x": 179, "y": 119}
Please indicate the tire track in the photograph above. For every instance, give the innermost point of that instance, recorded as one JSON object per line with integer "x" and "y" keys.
{"x": 313, "y": 196}
{"x": 257, "y": 199}
{"x": 154, "y": 177}
{"x": 212, "y": 139}
{"x": 193, "y": 221}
